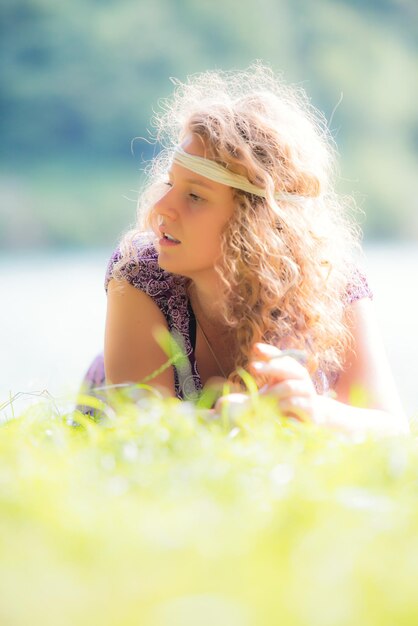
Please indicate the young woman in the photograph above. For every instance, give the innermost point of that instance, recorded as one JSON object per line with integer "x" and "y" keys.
{"x": 243, "y": 250}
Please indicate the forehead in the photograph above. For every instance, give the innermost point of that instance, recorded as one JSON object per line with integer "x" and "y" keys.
{"x": 193, "y": 144}
{"x": 184, "y": 176}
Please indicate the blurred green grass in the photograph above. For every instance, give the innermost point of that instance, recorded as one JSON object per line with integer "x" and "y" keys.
{"x": 164, "y": 516}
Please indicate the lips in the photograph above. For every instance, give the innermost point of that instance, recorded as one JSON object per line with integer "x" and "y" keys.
{"x": 168, "y": 236}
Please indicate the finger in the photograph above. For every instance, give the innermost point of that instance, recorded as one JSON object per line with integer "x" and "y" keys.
{"x": 279, "y": 369}
{"x": 265, "y": 351}
{"x": 232, "y": 398}
{"x": 296, "y": 407}
{"x": 288, "y": 389}
{"x": 232, "y": 405}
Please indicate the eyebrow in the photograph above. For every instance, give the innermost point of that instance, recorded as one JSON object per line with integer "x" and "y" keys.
{"x": 196, "y": 181}
{"x": 201, "y": 183}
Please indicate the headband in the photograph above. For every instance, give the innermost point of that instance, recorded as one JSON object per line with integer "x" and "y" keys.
{"x": 220, "y": 174}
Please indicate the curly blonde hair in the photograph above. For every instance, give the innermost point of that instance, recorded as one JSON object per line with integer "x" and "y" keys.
{"x": 286, "y": 266}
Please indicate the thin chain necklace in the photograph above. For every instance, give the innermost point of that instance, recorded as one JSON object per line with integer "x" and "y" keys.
{"x": 208, "y": 342}
{"x": 210, "y": 348}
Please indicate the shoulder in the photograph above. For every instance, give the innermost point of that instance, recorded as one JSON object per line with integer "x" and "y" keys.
{"x": 139, "y": 267}
{"x": 357, "y": 287}
{"x": 131, "y": 350}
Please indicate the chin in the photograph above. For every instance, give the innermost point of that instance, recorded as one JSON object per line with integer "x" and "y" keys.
{"x": 167, "y": 264}
{"x": 176, "y": 268}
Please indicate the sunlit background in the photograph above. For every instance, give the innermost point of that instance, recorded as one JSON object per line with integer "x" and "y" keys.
{"x": 80, "y": 80}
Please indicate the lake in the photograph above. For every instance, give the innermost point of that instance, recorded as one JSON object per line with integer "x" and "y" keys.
{"x": 53, "y": 313}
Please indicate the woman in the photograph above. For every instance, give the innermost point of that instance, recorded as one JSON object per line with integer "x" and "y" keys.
{"x": 243, "y": 249}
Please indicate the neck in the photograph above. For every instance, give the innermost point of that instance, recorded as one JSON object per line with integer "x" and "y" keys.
{"x": 206, "y": 301}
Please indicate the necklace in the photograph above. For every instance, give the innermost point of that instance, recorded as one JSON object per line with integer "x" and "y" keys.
{"x": 210, "y": 348}
{"x": 208, "y": 342}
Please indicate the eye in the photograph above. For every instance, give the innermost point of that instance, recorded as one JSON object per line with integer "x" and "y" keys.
{"x": 167, "y": 183}
{"x": 195, "y": 198}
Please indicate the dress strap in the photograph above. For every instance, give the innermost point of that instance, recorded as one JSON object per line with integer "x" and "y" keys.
{"x": 192, "y": 325}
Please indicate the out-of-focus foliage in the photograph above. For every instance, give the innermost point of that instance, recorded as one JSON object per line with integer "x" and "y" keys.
{"x": 79, "y": 81}
{"x": 163, "y": 516}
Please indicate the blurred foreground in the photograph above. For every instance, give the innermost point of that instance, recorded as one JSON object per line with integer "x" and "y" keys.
{"x": 162, "y": 516}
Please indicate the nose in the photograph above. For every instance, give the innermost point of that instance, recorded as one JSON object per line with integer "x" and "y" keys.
{"x": 165, "y": 207}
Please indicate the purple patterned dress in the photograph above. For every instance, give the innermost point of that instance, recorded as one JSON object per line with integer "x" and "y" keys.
{"x": 168, "y": 291}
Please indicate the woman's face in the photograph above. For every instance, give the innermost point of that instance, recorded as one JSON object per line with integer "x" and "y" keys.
{"x": 194, "y": 211}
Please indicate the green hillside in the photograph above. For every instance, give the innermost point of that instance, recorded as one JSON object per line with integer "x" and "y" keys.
{"x": 79, "y": 82}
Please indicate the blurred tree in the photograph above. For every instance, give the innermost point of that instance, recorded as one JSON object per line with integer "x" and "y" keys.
{"x": 79, "y": 80}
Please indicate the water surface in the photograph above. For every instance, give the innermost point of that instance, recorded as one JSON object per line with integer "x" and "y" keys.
{"x": 53, "y": 313}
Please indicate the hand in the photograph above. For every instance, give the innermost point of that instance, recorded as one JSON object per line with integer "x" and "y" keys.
{"x": 235, "y": 404}
{"x": 288, "y": 381}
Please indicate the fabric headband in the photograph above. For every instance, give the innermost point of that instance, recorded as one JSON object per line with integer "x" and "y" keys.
{"x": 220, "y": 174}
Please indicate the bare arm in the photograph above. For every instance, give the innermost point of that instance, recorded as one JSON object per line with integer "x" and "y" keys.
{"x": 131, "y": 352}
{"x": 367, "y": 379}
{"x": 367, "y": 400}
